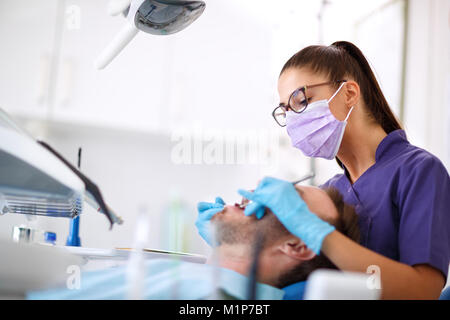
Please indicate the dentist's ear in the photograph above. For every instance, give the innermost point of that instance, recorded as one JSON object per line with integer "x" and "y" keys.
{"x": 352, "y": 93}
{"x": 296, "y": 249}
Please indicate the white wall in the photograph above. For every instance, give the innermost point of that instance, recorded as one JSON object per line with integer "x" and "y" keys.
{"x": 428, "y": 77}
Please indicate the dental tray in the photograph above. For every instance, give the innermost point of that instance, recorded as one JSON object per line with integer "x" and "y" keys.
{"x": 123, "y": 254}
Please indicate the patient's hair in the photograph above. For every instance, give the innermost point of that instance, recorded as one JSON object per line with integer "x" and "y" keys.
{"x": 346, "y": 223}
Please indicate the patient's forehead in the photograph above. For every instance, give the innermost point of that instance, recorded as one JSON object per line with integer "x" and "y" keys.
{"x": 318, "y": 202}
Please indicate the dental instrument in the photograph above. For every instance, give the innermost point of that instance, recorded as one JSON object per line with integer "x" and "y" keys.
{"x": 304, "y": 178}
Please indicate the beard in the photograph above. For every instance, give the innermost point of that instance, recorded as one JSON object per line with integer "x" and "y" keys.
{"x": 233, "y": 232}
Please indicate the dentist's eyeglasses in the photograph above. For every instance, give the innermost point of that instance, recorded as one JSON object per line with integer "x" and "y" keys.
{"x": 298, "y": 102}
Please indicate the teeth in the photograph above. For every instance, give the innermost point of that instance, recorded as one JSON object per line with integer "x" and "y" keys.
{"x": 239, "y": 205}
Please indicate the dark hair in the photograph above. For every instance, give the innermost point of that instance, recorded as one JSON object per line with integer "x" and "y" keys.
{"x": 346, "y": 223}
{"x": 343, "y": 59}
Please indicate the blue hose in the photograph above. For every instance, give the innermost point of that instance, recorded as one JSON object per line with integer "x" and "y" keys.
{"x": 73, "y": 238}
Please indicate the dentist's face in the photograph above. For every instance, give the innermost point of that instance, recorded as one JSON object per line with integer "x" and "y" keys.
{"x": 294, "y": 78}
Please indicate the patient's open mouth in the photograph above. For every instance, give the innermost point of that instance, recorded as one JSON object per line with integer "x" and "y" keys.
{"x": 243, "y": 204}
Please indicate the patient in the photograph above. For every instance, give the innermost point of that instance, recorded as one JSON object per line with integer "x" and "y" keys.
{"x": 284, "y": 259}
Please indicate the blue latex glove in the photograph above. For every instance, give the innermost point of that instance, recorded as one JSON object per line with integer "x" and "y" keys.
{"x": 255, "y": 208}
{"x": 282, "y": 198}
{"x": 206, "y": 211}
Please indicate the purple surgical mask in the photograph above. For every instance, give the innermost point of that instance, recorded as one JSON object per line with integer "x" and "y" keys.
{"x": 316, "y": 132}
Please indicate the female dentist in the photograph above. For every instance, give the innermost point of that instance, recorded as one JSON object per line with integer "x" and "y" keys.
{"x": 333, "y": 107}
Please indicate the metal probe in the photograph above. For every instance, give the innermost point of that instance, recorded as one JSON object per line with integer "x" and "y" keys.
{"x": 304, "y": 178}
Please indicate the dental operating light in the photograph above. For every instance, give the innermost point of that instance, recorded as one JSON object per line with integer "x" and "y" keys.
{"x": 158, "y": 17}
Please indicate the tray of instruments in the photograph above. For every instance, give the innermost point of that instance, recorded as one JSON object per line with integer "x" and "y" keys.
{"x": 123, "y": 254}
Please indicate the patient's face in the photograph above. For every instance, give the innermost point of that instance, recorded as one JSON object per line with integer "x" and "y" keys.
{"x": 233, "y": 227}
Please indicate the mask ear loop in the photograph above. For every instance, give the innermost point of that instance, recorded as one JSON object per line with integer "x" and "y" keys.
{"x": 337, "y": 91}
{"x": 348, "y": 115}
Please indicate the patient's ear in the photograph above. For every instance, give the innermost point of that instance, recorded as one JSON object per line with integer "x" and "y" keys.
{"x": 296, "y": 249}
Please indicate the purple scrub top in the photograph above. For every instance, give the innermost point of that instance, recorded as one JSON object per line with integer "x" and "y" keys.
{"x": 403, "y": 203}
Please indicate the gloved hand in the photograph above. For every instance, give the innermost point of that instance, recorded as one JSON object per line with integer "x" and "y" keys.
{"x": 206, "y": 211}
{"x": 282, "y": 198}
{"x": 255, "y": 208}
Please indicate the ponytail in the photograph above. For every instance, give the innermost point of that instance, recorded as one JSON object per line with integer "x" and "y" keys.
{"x": 373, "y": 96}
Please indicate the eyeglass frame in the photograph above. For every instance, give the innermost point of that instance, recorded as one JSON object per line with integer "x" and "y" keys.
{"x": 302, "y": 89}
